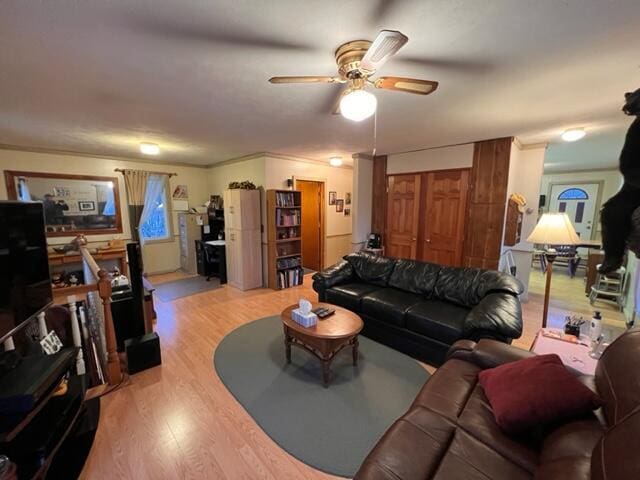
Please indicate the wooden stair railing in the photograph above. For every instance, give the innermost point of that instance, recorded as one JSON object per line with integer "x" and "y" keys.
{"x": 103, "y": 286}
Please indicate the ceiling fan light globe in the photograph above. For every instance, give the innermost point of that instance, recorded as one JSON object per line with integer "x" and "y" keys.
{"x": 358, "y": 105}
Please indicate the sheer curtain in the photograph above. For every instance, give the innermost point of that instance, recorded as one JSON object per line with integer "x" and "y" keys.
{"x": 155, "y": 185}
{"x": 135, "y": 182}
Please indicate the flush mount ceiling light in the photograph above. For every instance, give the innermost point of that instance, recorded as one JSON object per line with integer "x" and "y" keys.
{"x": 149, "y": 148}
{"x": 573, "y": 134}
{"x": 358, "y": 105}
{"x": 335, "y": 161}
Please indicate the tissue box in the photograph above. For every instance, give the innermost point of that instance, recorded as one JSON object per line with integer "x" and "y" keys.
{"x": 306, "y": 320}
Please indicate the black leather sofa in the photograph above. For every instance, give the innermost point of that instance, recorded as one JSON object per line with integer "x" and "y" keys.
{"x": 421, "y": 308}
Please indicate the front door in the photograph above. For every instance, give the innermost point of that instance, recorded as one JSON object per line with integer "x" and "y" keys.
{"x": 403, "y": 206}
{"x": 579, "y": 202}
{"x": 312, "y": 193}
{"x": 442, "y": 226}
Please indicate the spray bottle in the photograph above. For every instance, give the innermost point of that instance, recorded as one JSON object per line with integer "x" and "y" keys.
{"x": 595, "y": 328}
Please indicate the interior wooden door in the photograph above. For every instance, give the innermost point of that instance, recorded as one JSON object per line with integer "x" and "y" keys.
{"x": 443, "y": 217}
{"x": 403, "y": 204}
{"x": 311, "y": 223}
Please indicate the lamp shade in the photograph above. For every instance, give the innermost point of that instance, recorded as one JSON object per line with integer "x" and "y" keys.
{"x": 554, "y": 229}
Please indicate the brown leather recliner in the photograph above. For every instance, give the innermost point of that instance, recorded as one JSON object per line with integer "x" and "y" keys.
{"x": 450, "y": 432}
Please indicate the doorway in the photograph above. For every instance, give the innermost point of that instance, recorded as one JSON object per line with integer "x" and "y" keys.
{"x": 579, "y": 201}
{"x": 312, "y": 223}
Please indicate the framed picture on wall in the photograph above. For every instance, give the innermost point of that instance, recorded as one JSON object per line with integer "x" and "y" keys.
{"x": 73, "y": 204}
{"x": 339, "y": 205}
{"x": 347, "y": 198}
{"x": 347, "y": 212}
{"x": 86, "y": 206}
{"x": 332, "y": 198}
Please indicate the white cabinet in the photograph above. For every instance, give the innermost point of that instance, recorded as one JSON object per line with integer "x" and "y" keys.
{"x": 243, "y": 238}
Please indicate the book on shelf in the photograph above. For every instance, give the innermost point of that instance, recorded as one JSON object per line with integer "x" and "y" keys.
{"x": 286, "y": 218}
{"x": 286, "y": 199}
{"x": 290, "y": 278}
{"x": 291, "y": 262}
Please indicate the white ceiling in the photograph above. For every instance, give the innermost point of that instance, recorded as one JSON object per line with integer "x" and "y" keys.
{"x": 99, "y": 77}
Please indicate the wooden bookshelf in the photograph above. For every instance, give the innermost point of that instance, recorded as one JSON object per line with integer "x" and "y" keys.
{"x": 284, "y": 238}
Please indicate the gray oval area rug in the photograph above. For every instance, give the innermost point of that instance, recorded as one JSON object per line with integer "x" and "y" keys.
{"x": 331, "y": 429}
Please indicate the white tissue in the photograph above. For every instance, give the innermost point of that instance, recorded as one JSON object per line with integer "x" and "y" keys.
{"x": 305, "y": 306}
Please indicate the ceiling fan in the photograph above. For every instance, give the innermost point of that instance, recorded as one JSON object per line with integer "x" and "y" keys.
{"x": 357, "y": 62}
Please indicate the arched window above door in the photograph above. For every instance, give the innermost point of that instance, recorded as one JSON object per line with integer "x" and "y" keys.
{"x": 573, "y": 194}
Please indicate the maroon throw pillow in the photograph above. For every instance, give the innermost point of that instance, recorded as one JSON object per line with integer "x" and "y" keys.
{"x": 535, "y": 390}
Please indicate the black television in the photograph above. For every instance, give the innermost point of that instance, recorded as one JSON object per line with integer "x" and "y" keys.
{"x": 25, "y": 284}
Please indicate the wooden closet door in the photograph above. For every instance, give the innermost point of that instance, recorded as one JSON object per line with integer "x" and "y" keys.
{"x": 443, "y": 217}
{"x": 403, "y": 204}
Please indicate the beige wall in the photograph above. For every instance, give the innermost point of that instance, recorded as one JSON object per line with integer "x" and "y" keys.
{"x": 252, "y": 169}
{"x": 456, "y": 156}
{"x": 159, "y": 257}
{"x": 525, "y": 175}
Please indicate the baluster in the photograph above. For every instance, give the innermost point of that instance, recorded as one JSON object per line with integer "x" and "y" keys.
{"x": 75, "y": 331}
{"x": 9, "y": 345}
{"x": 42, "y": 325}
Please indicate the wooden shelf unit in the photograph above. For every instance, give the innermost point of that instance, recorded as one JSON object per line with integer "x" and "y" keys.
{"x": 284, "y": 238}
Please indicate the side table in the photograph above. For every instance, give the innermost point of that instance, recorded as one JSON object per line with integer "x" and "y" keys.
{"x": 572, "y": 354}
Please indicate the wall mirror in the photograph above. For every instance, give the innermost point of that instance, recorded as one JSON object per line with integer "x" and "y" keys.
{"x": 73, "y": 204}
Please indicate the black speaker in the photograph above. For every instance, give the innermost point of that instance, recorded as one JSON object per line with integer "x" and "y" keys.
{"x": 543, "y": 201}
{"x": 143, "y": 352}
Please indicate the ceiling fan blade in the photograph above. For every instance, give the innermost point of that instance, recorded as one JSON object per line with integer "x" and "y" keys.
{"x": 386, "y": 44}
{"x": 409, "y": 85}
{"x": 307, "y": 79}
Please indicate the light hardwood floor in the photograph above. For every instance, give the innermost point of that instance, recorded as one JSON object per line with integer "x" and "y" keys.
{"x": 178, "y": 421}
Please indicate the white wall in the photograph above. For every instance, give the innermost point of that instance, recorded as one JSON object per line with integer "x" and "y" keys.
{"x": 457, "y": 156}
{"x": 362, "y": 200}
{"x": 525, "y": 176}
{"x": 158, "y": 257}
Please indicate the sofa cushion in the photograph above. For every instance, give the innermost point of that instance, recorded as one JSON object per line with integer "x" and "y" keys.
{"x": 370, "y": 268}
{"x": 453, "y": 392}
{"x": 349, "y": 295}
{"x": 478, "y": 420}
{"x": 415, "y": 277}
{"x": 439, "y": 320}
{"x": 468, "y": 286}
{"x": 574, "y": 439}
{"x": 534, "y": 391}
{"x": 449, "y": 388}
{"x": 613, "y": 375}
{"x": 389, "y": 305}
{"x": 423, "y": 444}
{"x": 457, "y": 285}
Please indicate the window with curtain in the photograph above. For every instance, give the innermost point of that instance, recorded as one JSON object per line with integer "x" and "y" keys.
{"x": 154, "y": 221}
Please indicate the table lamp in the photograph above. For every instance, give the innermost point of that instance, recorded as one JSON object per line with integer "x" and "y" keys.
{"x": 553, "y": 229}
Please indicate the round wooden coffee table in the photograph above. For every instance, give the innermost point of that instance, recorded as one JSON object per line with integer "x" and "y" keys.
{"x": 325, "y": 339}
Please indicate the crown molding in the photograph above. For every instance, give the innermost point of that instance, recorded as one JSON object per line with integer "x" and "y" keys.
{"x": 582, "y": 170}
{"x": 52, "y": 151}
{"x": 533, "y": 146}
{"x": 277, "y": 156}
